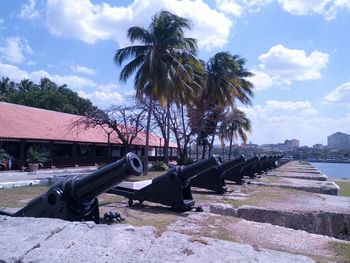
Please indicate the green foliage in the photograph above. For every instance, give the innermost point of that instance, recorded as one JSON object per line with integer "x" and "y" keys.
{"x": 186, "y": 161}
{"x": 35, "y": 155}
{"x": 159, "y": 166}
{"x": 3, "y": 156}
{"x": 47, "y": 95}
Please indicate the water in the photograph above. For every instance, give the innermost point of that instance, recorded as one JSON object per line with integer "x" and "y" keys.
{"x": 334, "y": 170}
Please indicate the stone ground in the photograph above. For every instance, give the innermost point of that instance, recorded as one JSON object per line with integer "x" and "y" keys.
{"x": 153, "y": 233}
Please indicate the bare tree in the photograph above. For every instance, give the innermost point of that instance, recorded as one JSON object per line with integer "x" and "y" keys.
{"x": 181, "y": 129}
{"x": 126, "y": 121}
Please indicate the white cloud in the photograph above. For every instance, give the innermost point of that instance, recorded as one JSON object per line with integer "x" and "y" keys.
{"x": 12, "y": 72}
{"x": 15, "y": 49}
{"x": 108, "y": 87}
{"x": 17, "y": 74}
{"x": 261, "y": 80}
{"x": 327, "y": 8}
{"x": 255, "y": 5}
{"x": 280, "y": 108}
{"x": 275, "y": 121}
{"x": 340, "y": 95}
{"x": 103, "y": 98}
{"x": 102, "y": 95}
{"x": 28, "y": 11}
{"x": 89, "y": 22}
{"x": 230, "y": 7}
{"x": 288, "y": 65}
{"x": 82, "y": 69}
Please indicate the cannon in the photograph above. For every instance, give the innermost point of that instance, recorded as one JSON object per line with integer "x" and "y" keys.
{"x": 212, "y": 178}
{"x": 272, "y": 163}
{"x": 232, "y": 169}
{"x": 248, "y": 168}
{"x": 75, "y": 197}
{"x": 171, "y": 189}
{"x": 260, "y": 166}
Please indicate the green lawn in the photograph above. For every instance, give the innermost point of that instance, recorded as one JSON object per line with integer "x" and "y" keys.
{"x": 344, "y": 187}
{"x": 342, "y": 251}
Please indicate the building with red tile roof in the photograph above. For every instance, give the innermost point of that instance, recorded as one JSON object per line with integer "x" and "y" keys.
{"x": 22, "y": 127}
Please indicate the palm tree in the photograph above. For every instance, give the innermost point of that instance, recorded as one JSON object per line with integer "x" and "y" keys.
{"x": 26, "y": 85}
{"x": 155, "y": 61}
{"x": 6, "y": 86}
{"x": 226, "y": 81}
{"x": 234, "y": 125}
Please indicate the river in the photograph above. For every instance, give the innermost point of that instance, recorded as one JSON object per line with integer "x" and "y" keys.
{"x": 334, "y": 170}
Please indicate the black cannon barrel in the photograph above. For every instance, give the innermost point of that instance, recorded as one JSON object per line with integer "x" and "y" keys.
{"x": 192, "y": 170}
{"x": 100, "y": 181}
{"x": 232, "y": 163}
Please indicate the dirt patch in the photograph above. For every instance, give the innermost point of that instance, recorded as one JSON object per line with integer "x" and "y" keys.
{"x": 19, "y": 197}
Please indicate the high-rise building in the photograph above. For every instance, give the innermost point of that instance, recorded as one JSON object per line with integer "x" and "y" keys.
{"x": 339, "y": 141}
{"x": 291, "y": 144}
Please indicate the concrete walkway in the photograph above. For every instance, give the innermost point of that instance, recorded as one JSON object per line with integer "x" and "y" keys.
{"x": 12, "y": 179}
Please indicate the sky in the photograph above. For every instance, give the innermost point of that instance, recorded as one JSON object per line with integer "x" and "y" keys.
{"x": 299, "y": 51}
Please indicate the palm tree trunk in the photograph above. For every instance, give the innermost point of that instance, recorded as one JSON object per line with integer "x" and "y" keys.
{"x": 184, "y": 129}
{"x": 212, "y": 140}
{"x": 166, "y": 140}
{"x": 230, "y": 151}
{"x": 197, "y": 148}
{"x": 148, "y": 125}
{"x": 204, "y": 149}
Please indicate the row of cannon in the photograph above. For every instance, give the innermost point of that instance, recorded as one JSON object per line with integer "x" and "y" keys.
{"x": 75, "y": 197}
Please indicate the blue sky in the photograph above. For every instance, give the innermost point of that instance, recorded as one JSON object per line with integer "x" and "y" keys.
{"x": 298, "y": 50}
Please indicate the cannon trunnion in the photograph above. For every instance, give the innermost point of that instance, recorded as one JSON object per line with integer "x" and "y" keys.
{"x": 74, "y": 198}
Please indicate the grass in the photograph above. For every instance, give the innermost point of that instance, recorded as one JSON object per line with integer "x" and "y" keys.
{"x": 262, "y": 195}
{"x": 159, "y": 218}
{"x": 342, "y": 251}
{"x": 19, "y": 197}
{"x": 150, "y": 175}
{"x": 344, "y": 187}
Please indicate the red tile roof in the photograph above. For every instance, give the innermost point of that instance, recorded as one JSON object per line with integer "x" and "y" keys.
{"x": 23, "y": 122}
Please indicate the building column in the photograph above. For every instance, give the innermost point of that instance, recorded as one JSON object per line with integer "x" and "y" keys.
{"x": 51, "y": 153}
{"x": 22, "y": 158}
{"x": 94, "y": 153}
{"x": 75, "y": 153}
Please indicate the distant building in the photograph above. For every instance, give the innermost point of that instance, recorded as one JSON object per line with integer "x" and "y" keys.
{"x": 318, "y": 146}
{"x": 339, "y": 141}
{"x": 291, "y": 144}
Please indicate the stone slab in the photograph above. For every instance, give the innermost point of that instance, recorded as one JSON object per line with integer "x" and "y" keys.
{"x": 299, "y": 175}
{"x": 314, "y": 186}
{"x": 257, "y": 234}
{"x": 135, "y": 185}
{"x": 52, "y": 240}
{"x": 317, "y": 222}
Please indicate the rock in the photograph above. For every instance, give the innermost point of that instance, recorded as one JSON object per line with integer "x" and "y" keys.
{"x": 53, "y": 240}
{"x": 319, "y": 222}
{"x": 223, "y": 209}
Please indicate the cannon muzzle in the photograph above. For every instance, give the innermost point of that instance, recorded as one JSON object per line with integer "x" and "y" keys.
{"x": 75, "y": 197}
{"x": 100, "y": 181}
